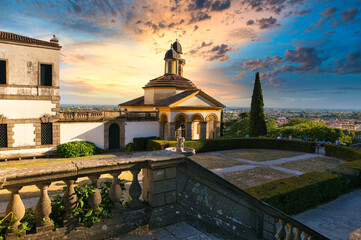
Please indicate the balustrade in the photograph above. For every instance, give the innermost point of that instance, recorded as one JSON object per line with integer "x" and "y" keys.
{"x": 16, "y": 208}
{"x": 289, "y": 231}
{"x": 159, "y": 185}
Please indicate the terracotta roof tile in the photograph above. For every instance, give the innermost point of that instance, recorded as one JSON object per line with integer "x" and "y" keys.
{"x": 170, "y": 80}
{"x": 21, "y": 39}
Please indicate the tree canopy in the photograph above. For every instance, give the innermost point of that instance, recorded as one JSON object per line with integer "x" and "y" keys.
{"x": 257, "y": 123}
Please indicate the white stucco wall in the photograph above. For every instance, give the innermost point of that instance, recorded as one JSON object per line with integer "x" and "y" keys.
{"x": 26, "y": 152}
{"x": 23, "y": 63}
{"x": 19, "y": 109}
{"x": 92, "y": 132}
{"x": 24, "y": 135}
{"x": 140, "y": 129}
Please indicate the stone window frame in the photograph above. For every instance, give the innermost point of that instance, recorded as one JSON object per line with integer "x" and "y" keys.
{"x": 55, "y": 128}
{"x": 52, "y": 74}
{"x": 6, "y": 71}
{"x": 10, "y": 132}
{"x": 121, "y": 123}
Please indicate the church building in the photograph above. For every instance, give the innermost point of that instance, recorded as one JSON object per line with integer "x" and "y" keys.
{"x": 181, "y": 105}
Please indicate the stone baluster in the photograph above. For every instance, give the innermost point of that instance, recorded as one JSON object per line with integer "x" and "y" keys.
{"x": 290, "y": 235}
{"x": 305, "y": 236}
{"x": 17, "y": 208}
{"x": 298, "y": 234}
{"x": 43, "y": 208}
{"x": 96, "y": 198}
{"x": 115, "y": 192}
{"x": 69, "y": 199}
{"x": 281, "y": 234}
{"x": 135, "y": 191}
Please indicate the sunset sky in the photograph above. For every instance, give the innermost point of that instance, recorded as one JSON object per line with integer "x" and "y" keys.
{"x": 307, "y": 52}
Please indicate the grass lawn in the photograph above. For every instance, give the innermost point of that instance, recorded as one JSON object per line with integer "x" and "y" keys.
{"x": 316, "y": 164}
{"x": 214, "y": 162}
{"x": 262, "y": 155}
{"x": 255, "y": 176}
{"x": 40, "y": 161}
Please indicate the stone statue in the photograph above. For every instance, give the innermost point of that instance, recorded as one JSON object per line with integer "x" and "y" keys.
{"x": 180, "y": 141}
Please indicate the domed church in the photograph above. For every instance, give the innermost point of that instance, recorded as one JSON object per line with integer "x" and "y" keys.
{"x": 179, "y": 103}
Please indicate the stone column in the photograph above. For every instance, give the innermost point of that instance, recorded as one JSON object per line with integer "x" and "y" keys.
{"x": 96, "y": 198}
{"x": 172, "y": 131}
{"x": 43, "y": 209}
{"x": 135, "y": 191}
{"x": 161, "y": 131}
{"x": 17, "y": 208}
{"x": 115, "y": 192}
{"x": 189, "y": 131}
{"x": 203, "y": 130}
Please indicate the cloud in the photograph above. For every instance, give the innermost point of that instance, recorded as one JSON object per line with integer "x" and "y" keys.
{"x": 350, "y": 65}
{"x": 218, "y": 5}
{"x": 275, "y": 6}
{"x": 265, "y": 23}
{"x": 219, "y": 53}
{"x": 349, "y": 15}
{"x": 199, "y": 16}
{"x": 256, "y": 64}
{"x": 203, "y": 45}
{"x": 250, "y": 22}
{"x": 302, "y": 13}
{"x": 328, "y": 33}
{"x": 329, "y": 11}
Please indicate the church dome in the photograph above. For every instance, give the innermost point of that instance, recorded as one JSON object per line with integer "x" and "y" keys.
{"x": 177, "y": 47}
{"x": 171, "y": 54}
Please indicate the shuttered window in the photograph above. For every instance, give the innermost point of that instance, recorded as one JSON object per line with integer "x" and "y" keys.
{"x": 46, "y": 75}
{"x": 46, "y": 133}
{"x": 2, "y": 72}
{"x": 3, "y": 135}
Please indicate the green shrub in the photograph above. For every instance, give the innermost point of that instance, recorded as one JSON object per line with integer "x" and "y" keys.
{"x": 296, "y": 194}
{"x": 129, "y": 147}
{"x": 234, "y": 143}
{"x": 343, "y": 152}
{"x": 140, "y": 143}
{"x": 77, "y": 149}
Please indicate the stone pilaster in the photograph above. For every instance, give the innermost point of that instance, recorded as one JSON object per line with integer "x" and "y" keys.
{"x": 172, "y": 131}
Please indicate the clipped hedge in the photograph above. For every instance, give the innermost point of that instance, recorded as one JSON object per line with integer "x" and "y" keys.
{"x": 140, "y": 143}
{"x": 234, "y": 143}
{"x": 343, "y": 152}
{"x": 296, "y": 194}
{"x": 77, "y": 149}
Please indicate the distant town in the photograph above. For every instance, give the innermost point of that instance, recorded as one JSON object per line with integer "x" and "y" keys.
{"x": 343, "y": 119}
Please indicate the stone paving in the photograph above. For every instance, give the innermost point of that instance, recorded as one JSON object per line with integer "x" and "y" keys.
{"x": 336, "y": 219}
{"x": 178, "y": 231}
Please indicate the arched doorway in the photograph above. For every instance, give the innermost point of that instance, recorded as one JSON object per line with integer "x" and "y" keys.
{"x": 164, "y": 127}
{"x": 180, "y": 124}
{"x": 197, "y": 120}
{"x": 211, "y": 126}
{"x": 114, "y": 136}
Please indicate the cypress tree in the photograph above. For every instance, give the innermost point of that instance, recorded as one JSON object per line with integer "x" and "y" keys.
{"x": 257, "y": 123}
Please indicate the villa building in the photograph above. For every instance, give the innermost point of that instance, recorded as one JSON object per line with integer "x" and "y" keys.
{"x": 31, "y": 123}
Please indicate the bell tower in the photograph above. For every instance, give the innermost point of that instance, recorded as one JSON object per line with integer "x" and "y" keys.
{"x": 173, "y": 59}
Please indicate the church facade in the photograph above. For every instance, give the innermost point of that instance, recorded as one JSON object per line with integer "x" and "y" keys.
{"x": 31, "y": 123}
{"x": 181, "y": 105}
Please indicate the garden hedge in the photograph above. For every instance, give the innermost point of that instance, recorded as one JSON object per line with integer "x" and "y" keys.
{"x": 140, "y": 143}
{"x": 296, "y": 194}
{"x": 234, "y": 143}
{"x": 77, "y": 149}
{"x": 343, "y": 152}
